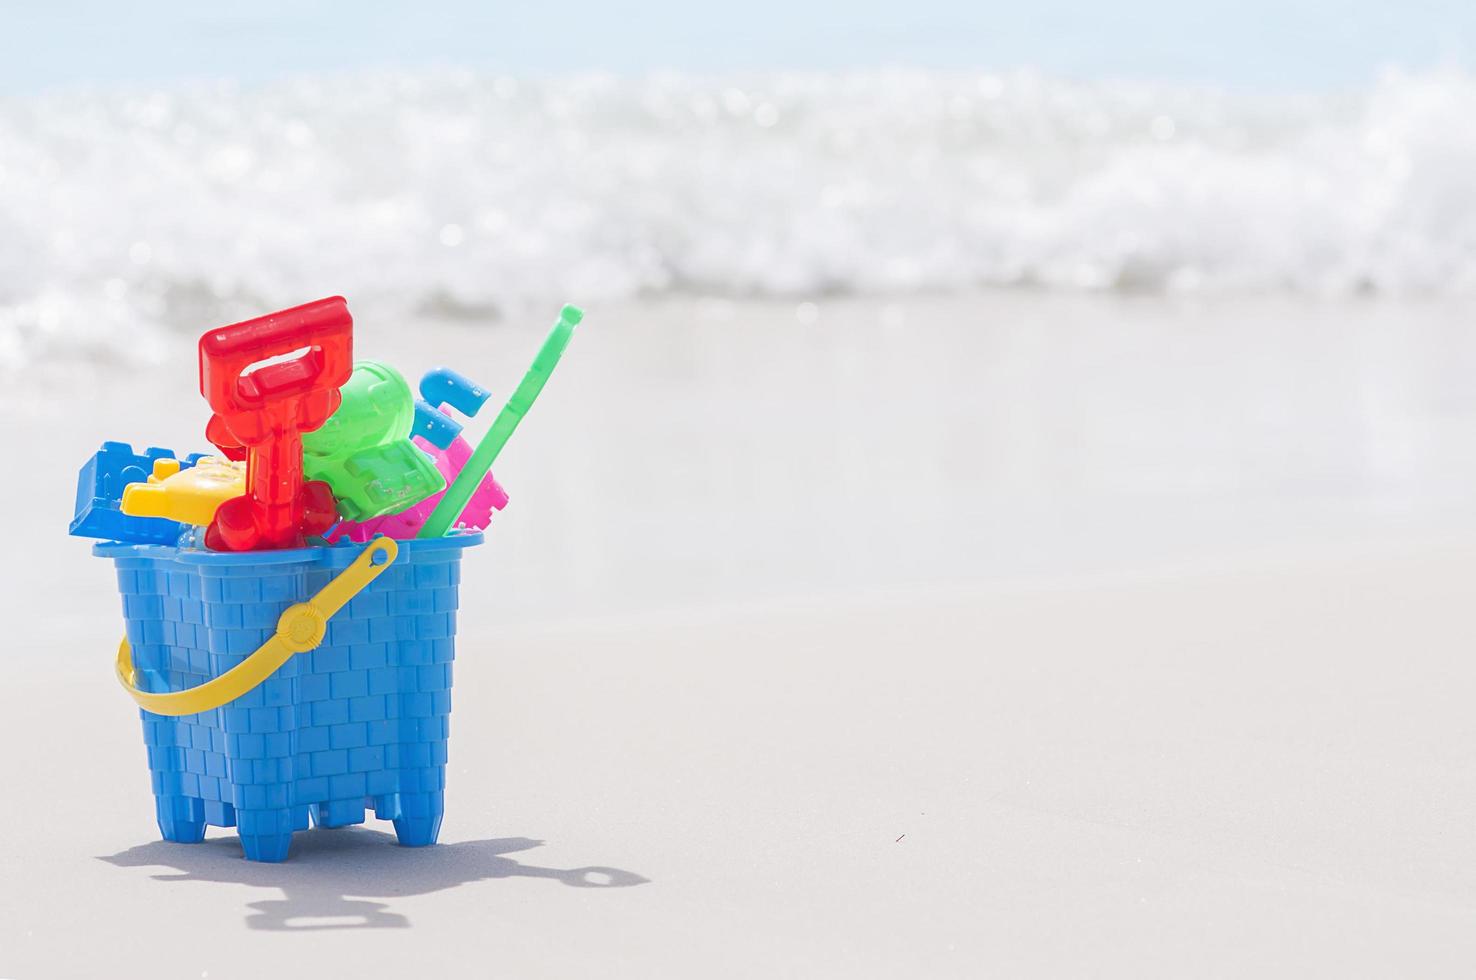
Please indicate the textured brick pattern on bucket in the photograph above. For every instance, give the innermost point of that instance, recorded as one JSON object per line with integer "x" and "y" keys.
{"x": 358, "y": 724}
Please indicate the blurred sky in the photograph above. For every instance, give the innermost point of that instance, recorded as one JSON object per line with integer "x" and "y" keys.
{"x": 1263, "y": 44}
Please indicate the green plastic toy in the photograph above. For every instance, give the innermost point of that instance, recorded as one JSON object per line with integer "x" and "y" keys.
{"x": 482, "y": 458}
{"x": 364, "y": 450}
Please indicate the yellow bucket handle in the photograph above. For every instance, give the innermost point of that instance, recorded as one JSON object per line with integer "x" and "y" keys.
{"x": 300, "y": 629}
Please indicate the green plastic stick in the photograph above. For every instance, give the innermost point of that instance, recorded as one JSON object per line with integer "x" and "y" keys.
{"x": 482, "y": 458}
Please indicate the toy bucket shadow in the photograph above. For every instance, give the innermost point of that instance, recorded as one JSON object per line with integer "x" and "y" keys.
{"x": 328, "y": 867}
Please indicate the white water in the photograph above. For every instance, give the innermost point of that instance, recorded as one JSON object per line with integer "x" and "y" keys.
{"x": 124, "y": 213}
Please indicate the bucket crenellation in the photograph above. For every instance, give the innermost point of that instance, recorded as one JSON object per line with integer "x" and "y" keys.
{"x": 358, "y": 724}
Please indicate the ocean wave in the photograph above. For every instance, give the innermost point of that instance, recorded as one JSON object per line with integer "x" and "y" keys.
{"x": 127, "y": 212}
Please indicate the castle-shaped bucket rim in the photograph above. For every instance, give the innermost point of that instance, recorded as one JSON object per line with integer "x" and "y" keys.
{"x": 331, "y": 555}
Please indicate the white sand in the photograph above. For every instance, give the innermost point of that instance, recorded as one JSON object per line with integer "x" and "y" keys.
{"x": 971, "y": 637}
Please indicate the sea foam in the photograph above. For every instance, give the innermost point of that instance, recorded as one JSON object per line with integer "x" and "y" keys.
{"x": 126, "y": 212}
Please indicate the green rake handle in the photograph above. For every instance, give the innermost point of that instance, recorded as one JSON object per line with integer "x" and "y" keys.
{"x": 482, "y": 458}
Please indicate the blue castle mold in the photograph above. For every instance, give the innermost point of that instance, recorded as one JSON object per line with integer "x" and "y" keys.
{"x": 100, "y": 483}
{"x": 359, "y": 723}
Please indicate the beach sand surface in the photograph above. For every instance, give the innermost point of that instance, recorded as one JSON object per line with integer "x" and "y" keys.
{"x": 1013, "y": 634}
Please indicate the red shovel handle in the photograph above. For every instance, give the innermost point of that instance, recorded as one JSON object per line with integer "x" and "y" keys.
{"x": 301, "y": 355}
{"x": 269, "y": 380}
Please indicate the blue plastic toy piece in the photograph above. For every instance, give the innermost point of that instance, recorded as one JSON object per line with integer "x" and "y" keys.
{"x": 443, "y": 386}
{"x": 358, "y": 724}
{"x": 100, "y": 486}
{"x": 435, "y": 427}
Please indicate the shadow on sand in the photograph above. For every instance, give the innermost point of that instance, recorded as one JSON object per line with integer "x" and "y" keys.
{"x": 328, "y": 866}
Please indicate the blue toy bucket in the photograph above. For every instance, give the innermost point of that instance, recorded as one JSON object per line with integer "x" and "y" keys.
{"x": 357, "y": 720}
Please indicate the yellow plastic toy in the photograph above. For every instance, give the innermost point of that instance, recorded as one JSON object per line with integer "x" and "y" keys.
{"x": 299, "y": 629}
{"x": 189, "y": 496}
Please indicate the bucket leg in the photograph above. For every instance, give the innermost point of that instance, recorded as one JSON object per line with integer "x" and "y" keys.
{"x": 419, "y": 822}
{"x": 181, "y": 818}
{"x": 266, "y": 835}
